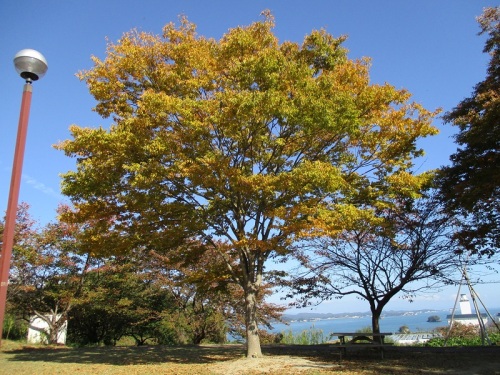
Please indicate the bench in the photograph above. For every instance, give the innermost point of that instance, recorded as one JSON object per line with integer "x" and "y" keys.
{"x": 361, "y": 340}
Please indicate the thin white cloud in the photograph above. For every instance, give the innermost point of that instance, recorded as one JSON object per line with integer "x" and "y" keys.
{"x": 40, "y": 186}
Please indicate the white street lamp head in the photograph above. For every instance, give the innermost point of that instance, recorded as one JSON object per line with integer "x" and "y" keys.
{"x": 30, "y": 64}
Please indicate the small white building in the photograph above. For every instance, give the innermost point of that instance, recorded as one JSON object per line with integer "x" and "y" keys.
{"x": 466, "y": 317}
{"x": 38, "y": 330}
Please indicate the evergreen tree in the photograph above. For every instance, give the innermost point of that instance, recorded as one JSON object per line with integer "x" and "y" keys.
{"x": 471, "y": 185}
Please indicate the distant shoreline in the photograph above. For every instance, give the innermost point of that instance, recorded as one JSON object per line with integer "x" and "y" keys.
{"x": 312, "y": 316}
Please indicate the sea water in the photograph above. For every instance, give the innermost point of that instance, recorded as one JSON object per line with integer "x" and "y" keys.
{"x": 391, "y": 323}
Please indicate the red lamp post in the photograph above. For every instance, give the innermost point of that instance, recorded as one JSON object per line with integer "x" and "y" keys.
{"x": 31, "y": 65}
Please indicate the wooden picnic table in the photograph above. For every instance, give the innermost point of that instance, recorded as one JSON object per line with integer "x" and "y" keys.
{"x": 358, "y": 339}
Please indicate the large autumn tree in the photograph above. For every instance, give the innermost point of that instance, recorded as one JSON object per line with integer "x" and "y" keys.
{"x": 471, "y": 184}
{"x": 236, "y": 143}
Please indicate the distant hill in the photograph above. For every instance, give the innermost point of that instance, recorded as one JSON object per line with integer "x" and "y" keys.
{"x": 311, "y": 316}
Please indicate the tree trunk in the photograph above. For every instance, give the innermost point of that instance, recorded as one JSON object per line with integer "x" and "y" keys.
{"x": 53, "y": 325}
{"x": 252, "y": 330}
{"x": 52, "y": 330}
{"x": 376, "y": 324}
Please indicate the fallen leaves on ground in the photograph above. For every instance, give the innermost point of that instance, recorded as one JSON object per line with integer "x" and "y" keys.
{"x": 230, "y": 359}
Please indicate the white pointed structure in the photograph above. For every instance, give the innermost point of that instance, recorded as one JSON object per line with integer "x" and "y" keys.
{"x": 465, "y": 308}
{"x": 466, "y": 316}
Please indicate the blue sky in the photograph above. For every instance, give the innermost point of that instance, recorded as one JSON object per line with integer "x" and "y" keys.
{"x": 429, "y": 47}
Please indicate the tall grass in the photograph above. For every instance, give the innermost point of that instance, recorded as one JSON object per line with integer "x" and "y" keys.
{"x": 311, "y": 336}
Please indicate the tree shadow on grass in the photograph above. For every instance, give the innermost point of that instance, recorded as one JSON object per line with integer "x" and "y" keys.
{"x": 124, "y": 356}
{"x": 480, "y": 360}
{"x": 407, "y": 360}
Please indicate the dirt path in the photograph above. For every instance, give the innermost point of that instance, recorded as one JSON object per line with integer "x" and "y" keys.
{"x": 272, "y": 365}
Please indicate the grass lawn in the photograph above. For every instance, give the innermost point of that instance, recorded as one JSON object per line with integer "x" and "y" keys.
{"x": 229, "y": 359}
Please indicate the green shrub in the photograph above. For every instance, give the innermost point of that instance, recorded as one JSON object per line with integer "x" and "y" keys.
{"x": 366, "y": 329}
{"x": 404, "y": 329}
{"x": 14, "y": 329}
{"x": 463, "y": 335}
{"x": 494, "y": 338}
{"x": 267, "y": 337}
